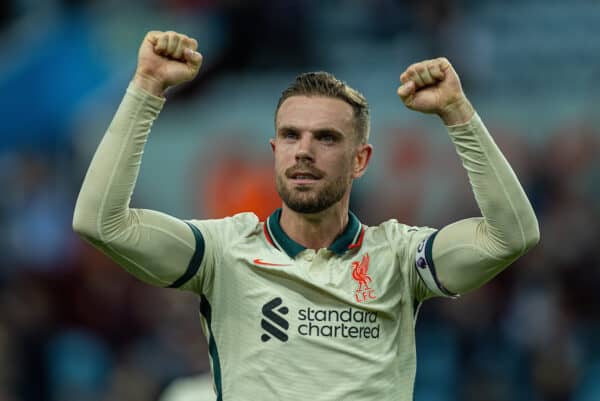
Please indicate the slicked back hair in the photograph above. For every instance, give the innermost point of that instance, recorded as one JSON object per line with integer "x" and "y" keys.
{"x": 327, "y": 85}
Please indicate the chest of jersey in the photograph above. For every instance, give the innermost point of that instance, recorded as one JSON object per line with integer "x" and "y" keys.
{"x": 279, "y": 316}
{"x": 367, "y": 278}
{"x": 316, "y": 296}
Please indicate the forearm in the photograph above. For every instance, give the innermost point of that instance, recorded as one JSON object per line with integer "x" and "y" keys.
{"x": 103, "y": 204}
{"x": 153, "y": 246}
{"x": 470, "y": 252}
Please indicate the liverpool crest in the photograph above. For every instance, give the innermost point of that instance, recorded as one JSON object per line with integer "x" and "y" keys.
{"x": 360, "y": 273}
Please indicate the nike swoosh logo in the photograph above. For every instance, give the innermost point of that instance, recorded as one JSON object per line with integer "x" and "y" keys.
{"x": 263, "y": 263}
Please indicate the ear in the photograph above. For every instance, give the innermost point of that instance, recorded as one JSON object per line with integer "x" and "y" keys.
{"x": 361, "y": 160}
{"x": 272, "y": 142}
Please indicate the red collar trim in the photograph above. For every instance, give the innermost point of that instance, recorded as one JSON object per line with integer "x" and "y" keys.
{"x": 359, "y": 241}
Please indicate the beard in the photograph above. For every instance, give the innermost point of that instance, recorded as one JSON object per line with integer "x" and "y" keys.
{"x": 312, "y": 199}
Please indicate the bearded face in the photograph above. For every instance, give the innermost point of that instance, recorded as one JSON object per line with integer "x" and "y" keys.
{"x": 314, "y": 152}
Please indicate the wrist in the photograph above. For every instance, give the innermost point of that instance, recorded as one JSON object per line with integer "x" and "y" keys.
{"x": 456, "y": 113}
{"x": 149, "y": 84}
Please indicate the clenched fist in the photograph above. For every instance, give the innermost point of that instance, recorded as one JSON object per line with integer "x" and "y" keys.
{"x": 166, "y": 59}
{"x": 432, "y": 86}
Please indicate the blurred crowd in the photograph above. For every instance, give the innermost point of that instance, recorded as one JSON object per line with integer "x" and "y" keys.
{"x": 75, "y": 327}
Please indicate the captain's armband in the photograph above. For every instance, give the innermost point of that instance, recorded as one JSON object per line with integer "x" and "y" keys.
{"x": 426, "y": 268}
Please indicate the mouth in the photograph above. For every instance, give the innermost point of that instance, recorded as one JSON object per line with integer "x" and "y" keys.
{"x": 304, "y": 177}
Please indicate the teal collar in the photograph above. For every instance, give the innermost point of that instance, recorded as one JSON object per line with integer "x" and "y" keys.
{"x": 350, "y": 238}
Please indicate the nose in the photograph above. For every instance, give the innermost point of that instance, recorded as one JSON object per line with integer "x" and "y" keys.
{"x": 304, "y": 151}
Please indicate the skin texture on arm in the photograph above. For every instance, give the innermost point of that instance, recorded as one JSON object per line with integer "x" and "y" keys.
{"x": 153, "y": 246}
{"x": 470, "y": 252}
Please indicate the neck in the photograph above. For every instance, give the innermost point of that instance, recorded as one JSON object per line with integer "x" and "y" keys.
{"x": 315, "y": 230}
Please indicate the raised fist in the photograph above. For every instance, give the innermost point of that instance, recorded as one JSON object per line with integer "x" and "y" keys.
{"x": 432, "y": 86}
{"x": 166, "y": 59}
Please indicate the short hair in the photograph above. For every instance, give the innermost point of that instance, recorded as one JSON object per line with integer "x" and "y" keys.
{"x": 322, "y": 83}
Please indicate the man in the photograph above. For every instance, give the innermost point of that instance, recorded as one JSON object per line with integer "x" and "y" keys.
{"x": 310, "y": 304}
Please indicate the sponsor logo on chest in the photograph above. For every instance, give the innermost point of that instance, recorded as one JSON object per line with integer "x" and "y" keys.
{"x": 273, "y": 321}
{"x": 350, "y": 322}
{"x": 340, "y": 323}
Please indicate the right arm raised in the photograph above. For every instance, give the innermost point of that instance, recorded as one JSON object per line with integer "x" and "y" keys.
{"x": 153, "y": 246}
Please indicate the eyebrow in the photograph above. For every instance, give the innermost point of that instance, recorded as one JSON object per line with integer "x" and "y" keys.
{"x": 324, "y": 130}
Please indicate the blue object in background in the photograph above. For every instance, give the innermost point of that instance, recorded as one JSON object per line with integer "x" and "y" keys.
{"x": 41, "y": 93}
{"x": 79, "y": 365}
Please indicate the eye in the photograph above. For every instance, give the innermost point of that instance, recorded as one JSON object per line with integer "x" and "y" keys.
{"x": 288, "y": 134}
{"x": 327, "y": 138}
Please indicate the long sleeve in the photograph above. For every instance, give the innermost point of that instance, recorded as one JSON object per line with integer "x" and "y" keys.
{"x": 470, "y": 252}
{"x": 153, "y": 246}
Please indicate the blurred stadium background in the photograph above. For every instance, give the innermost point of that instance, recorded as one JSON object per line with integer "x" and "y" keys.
{"x": 73, "y": 326}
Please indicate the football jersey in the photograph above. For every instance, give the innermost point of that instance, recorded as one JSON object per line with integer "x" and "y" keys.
{"x": 288, "y": 323}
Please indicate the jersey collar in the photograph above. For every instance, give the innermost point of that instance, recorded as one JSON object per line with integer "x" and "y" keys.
{"x": 350, "y": 238}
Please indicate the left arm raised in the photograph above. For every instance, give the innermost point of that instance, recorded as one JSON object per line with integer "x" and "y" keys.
{"x": 470, "y": 252}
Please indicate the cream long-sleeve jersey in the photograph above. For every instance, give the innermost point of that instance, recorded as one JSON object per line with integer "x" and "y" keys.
{"x": 288, "y": 323}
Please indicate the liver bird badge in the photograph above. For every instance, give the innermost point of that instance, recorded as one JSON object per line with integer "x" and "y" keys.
{"x": 360, "y": 273}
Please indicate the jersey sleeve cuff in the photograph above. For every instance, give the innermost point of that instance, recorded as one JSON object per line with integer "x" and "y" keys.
{"x": 426, "y": 268}
{"x": 153, "y": 102}
{"x": 196, "y": 260}
{"x": 473, "y": 124}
